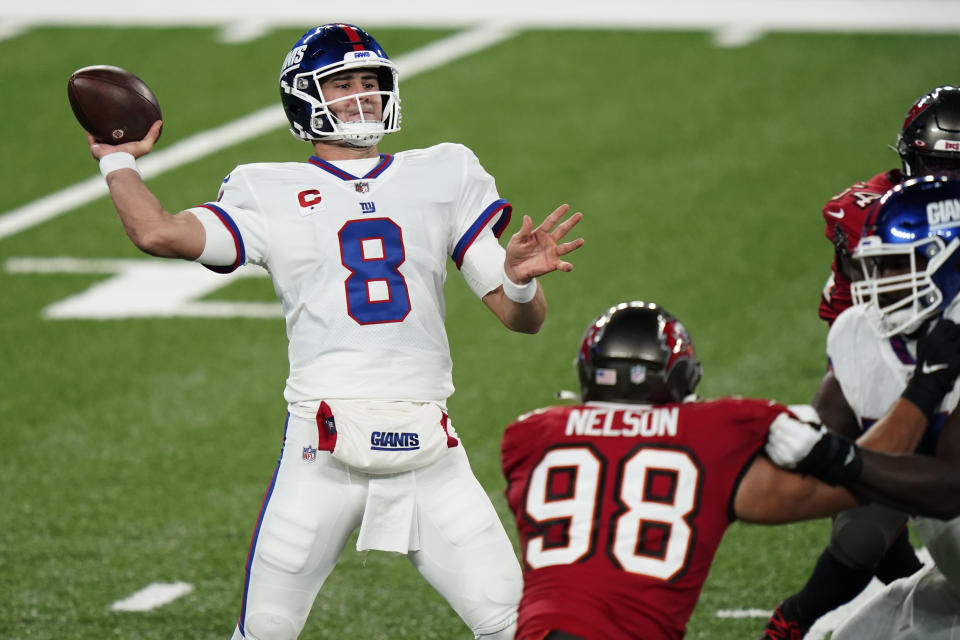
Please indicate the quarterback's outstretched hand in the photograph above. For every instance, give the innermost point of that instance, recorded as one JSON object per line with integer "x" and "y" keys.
{"x": 813, "y": 450}
{"x": 534, "y": 252}
{"x": 938, "y": 365}
{"x": 136, "y": 149}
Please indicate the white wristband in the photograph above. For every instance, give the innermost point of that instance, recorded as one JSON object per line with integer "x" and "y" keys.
{"x": 117, "y": 160}
{"x": 519, "y": 292}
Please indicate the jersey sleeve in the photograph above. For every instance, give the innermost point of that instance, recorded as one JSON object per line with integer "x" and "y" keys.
{"x": 482, "y": 266}
{"x": 237, "y": 209}
{"x": 842, "y": 354}
{"x": 479, "y": 208}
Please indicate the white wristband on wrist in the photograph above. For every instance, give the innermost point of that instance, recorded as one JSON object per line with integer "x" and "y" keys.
{"x": 117, "y": 160}
{"x": 520, "y": 293}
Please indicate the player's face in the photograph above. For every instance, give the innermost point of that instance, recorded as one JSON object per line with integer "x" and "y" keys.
{"x": 849, "y": 267}
{"x": 339, "y": 87}
{"x": 892, "y": 266}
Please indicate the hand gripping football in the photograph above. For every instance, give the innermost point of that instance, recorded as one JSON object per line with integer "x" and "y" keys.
{"x": 112, "y": 104}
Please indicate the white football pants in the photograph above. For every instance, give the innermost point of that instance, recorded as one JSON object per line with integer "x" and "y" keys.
{"x": 313, "y": 506}
{"x": 919, "y": 607}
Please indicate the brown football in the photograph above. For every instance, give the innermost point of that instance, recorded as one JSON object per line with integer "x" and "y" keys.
{"x": 111, "y": 103}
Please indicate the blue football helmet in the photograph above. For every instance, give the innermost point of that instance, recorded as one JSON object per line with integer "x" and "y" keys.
{"x": 320, "y": 53}
{"x": 909, "y": 254}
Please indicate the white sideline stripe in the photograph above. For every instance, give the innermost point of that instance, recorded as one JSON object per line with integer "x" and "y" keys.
{"x": 902, "y": 16}
{"x": 257, "y": 123}
{"x": 153, "y": 596}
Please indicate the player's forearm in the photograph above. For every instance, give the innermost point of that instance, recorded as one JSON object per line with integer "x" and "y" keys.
{"x": 151, "y": 228}
{"x": 770, "y": 495}
{"x": 524, "y": 317}
{"x": 898, "y": 431}
{"x": 918, "y": 484}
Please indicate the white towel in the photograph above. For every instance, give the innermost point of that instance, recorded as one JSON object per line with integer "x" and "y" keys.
{"x": 390, "y": 516}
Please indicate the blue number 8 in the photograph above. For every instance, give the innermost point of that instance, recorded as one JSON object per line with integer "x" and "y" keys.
{"x": 372, "y": 249}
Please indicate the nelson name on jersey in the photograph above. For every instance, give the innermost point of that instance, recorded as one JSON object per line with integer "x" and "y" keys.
{"x": 649, "y": 422}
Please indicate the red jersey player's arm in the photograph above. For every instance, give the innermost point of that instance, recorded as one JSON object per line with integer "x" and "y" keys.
{"x": 768, "y": 494}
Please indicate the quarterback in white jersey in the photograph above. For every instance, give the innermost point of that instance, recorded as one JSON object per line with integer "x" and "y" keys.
{"x": 357, "y": 243}
{"x": 359, "y": 263}
{"x": 895, "y": 358}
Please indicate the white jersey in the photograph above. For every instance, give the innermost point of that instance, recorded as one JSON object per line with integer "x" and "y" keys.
{"x": 359, "y": 262}
{"x": 872, "y": 373}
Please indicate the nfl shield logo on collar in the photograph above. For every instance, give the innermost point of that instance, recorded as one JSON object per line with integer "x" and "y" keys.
{"x": 362, "y": 187}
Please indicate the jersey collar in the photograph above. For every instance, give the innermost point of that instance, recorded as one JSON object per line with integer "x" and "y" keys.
{"x": 385, "y": 161}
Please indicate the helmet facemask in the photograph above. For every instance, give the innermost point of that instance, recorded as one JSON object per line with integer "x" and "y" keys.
{"x": 320, "y": 53}
{"x": 902, "y": 302}
{"x": 326, "y": 126}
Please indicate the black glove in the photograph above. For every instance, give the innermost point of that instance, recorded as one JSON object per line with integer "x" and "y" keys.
{"x": 938, "y": 365}
{"x": 833, "y": 459}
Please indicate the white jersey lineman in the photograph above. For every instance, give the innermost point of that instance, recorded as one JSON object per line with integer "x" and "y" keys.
{"x": 357, "y": 252}
{"x": 873, "y": 372}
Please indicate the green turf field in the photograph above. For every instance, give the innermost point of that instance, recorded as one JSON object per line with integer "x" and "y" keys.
{"x": 137, "y": 451}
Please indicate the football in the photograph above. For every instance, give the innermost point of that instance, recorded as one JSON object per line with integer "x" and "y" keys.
{"x": 112, "y": 104}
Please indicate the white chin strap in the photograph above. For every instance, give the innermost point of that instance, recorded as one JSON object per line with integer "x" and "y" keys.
{"x": 361, "y": 134}
{"x": 356, "y": 134}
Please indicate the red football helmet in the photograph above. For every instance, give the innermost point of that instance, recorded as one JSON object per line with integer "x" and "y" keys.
{"x": 637, "y": 352}
{"x": 929, "y": 140}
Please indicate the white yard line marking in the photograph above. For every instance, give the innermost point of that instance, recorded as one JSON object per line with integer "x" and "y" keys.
{"x": 146, "y": 289}
{"x": 153, "y": 596}
{"x": 744, "y": 613}
{"x": 432, "y": 56}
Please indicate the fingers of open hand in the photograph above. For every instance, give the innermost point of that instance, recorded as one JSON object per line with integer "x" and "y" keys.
{"x": 526, "y": 229}
{"x": 566, "y": 225}
{"x": 567, "y": 247}
{"x": 555, "y": 216}
{"x": 556, "y": 232}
